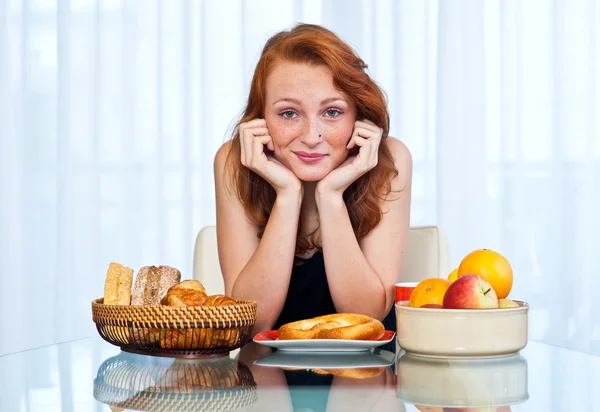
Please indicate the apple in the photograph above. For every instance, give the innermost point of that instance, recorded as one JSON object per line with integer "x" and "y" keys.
{"x": 431, "y": 305}
{"x": 507, "y": 303}
{"x": 470, "y": 292}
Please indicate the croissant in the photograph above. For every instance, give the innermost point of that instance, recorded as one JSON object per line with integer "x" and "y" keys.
{"x": 219, "y": 300}
{"x": 186, "y": 293}
{"x": 205, "y": 338}
{"x": 192, "y": 293}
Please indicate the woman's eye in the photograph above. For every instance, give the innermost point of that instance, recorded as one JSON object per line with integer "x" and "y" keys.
{"x": 288, "y": 114}
{"x": 333, "y": 113}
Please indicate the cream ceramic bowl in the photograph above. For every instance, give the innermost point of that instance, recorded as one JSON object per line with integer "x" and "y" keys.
{"x": 461, "y": 333}
{"x": 462, "y": 383}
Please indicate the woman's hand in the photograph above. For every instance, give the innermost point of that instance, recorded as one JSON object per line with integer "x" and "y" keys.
{"x": 366, "y": 136}
{"x": 254, "y": 135}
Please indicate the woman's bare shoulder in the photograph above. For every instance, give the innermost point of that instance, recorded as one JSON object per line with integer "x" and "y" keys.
{"x": 222, "y": 174}
{"x": 221, "y": 155}
{"x": 402, "y": 160}
{"x": 399, "y": 150}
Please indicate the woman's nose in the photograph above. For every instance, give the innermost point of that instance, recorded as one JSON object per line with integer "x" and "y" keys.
{"x": 311, "y": 135}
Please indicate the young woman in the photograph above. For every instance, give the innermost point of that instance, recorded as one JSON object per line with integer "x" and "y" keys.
{"x": 312, "y": 195}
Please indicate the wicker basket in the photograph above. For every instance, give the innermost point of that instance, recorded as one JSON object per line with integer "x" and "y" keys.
{"x": 186, "y": 331}
{"x": 134, "y": 382}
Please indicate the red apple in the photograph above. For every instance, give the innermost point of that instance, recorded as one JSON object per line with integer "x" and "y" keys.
{"x": 470, "y": 292}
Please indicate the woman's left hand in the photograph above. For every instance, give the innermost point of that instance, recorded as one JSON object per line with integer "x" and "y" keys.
{"x": 366, "y": 136}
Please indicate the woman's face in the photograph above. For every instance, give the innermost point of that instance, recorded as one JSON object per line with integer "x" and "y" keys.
{"x": 309, "y": 120}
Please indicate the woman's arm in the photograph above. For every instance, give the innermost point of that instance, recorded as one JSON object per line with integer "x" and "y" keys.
{"x": 361, "y": 276}
{"x": 251, "y": 269}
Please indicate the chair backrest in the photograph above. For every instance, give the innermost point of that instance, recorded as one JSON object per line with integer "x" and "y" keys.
{"x": 207, "y": 268}
{"x": 426, "y": 253}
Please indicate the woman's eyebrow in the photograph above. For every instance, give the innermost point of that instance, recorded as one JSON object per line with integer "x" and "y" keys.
{"x": 292, "y": 100}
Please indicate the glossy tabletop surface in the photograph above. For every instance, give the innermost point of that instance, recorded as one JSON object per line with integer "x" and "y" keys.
{"x": 92, "y": 375}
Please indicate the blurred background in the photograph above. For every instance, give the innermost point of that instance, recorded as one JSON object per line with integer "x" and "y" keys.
{"x": 111, "y": 112}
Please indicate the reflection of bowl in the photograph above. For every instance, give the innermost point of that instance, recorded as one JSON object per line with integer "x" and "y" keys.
{"x": 146, "y": 383}
{"x": 461, "y": 333}
{"x": 462, "y": 382}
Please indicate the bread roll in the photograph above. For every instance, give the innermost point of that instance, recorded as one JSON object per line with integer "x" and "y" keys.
{"x": 117, "y": 285}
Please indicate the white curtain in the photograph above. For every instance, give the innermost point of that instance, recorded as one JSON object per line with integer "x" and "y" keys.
{"x": 111, "y": 112}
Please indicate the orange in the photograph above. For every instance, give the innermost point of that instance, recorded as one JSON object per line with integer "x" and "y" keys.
{"x": 453, "y": 275}
{"x": 430, "y": 290}
{"x": 491, "y": 266}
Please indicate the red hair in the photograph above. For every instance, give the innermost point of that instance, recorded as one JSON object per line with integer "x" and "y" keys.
{"x": 312, "y": 44}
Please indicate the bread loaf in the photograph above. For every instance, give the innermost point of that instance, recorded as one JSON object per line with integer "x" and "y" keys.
{"x": 169, "y": 277}
{"x": 152, "y": 284}
{"x": 145, "y": 289}
{"x": 117, "y": 285}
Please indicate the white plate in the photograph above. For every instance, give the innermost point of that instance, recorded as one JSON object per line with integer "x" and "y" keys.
{"x": 269, "y": 338}
{"x": 344, "y": 360}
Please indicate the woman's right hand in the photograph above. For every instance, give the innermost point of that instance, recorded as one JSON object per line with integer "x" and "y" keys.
{"x": 254, "y": 135}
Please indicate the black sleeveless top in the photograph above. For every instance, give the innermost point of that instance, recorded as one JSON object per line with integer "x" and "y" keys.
{"x": 308, "y": 296}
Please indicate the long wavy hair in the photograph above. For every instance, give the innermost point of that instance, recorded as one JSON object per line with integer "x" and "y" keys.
{"x": 315, "y": 45}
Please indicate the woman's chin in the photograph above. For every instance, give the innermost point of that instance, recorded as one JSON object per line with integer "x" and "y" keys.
{"x": 311, "y": 176}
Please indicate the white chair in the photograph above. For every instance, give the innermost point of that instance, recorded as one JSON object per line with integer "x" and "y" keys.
{"x": 426, "y": 253}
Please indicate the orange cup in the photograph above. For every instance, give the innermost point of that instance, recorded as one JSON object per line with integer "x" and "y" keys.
{"x": 404, "y": 290}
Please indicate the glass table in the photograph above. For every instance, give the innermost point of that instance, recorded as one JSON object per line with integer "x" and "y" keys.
{"x": 92, "y": 375}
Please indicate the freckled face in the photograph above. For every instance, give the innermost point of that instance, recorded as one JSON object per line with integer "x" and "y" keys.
{"x": 301, "y": 104}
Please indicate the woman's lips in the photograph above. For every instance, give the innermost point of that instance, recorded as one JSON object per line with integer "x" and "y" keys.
{"x": 307, "y": 157}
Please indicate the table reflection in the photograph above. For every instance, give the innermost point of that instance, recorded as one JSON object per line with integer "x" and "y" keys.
{"x": 259, "y": 378}
{"x": 452, "y": 385}
{"x": 146, "y": 383}
{"x": 322, "y": 382}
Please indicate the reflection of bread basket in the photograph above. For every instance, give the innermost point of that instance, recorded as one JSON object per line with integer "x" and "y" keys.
{"x": 136, "y": 382}
{"x": 186, "y": 331}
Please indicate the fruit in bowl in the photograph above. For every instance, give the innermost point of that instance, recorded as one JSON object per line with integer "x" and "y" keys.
{"x": 483, "y": 280}
{"x": 491, "y": 266}
{"x": 453, "y": 275}
{"x": 429, "y": 291}
{"x": 432, "y": 305}
{"x": 470, "y": 292}
{"x": 507, "y": 303}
